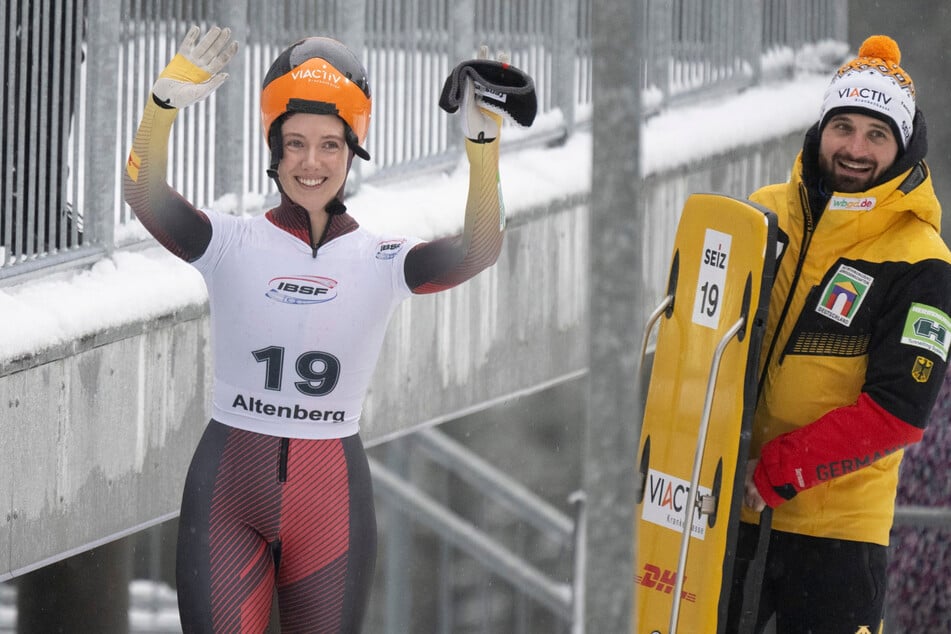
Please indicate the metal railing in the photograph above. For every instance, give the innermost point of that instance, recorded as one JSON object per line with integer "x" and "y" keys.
{"x": 923, "y": 516}
{"x": 67, "y": 128}
{"x": 563, "y": 599}
{"x": 41, "y": 55}
{"x": 696, "y": 53}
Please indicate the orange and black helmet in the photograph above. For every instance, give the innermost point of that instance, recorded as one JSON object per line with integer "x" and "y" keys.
{"x": 318, "y": 75}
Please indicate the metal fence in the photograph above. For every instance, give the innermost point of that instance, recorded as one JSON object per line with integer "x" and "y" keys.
{"x": 77, "y": 73}
{"x": 42, "y": 58}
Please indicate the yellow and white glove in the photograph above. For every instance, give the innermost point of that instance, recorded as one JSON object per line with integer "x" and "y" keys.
{"x": 195, "y": 71}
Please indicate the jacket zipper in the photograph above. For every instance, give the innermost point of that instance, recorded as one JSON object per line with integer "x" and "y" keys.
{"x": 804, "y": 247}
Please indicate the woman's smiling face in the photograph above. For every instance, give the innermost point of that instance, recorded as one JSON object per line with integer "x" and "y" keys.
{"x": 314, "y": 159}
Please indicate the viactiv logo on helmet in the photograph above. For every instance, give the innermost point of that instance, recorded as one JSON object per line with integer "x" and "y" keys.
{"x": 302, "y": 289}
{"x": 324, "y": 74}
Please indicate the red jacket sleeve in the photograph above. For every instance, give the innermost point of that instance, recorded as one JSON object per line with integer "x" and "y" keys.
{"x": 843, "y": 440}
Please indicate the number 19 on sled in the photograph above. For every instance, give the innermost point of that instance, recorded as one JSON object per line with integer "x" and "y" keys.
{"x": 698, "y": 413}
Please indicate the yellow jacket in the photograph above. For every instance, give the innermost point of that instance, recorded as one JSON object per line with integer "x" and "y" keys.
{"x": 854, "y": 352}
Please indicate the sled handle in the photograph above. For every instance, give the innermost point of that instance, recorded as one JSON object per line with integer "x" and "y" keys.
{"x": 660, "y": 310}
{"x": 697, "y": 462}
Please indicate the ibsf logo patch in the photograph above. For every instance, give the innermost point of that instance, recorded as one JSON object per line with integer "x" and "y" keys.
{"x": 387, "y": 249}
{"x": 929, "y": 328}
{"x": 302, "y": 289}
{"x": 843, "y": 295}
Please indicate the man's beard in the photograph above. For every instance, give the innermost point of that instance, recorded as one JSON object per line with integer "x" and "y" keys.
{"x": 845, "y": 183}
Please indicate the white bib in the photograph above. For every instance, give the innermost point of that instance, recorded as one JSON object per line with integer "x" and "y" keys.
{"x": 296, "y": 338}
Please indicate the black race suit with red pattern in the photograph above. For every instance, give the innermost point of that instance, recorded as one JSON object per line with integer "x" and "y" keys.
{"x": 278, "y": 495}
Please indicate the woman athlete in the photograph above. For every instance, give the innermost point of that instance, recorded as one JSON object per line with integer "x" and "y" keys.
{"x": 278, "y": 494}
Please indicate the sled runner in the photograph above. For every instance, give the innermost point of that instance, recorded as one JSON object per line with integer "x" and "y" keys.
{"x": 698, "y": 412}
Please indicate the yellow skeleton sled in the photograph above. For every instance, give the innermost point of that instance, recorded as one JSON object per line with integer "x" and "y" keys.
{"x": 697, "y": 415}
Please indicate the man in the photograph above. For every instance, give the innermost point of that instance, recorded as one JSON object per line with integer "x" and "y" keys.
{"x": 854, "y": 353}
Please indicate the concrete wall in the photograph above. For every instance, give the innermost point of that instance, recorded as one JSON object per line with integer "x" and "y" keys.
{"x": 97, "y": 435}
{"x": 95, "y": 443}
{"x": 516, "y": 327}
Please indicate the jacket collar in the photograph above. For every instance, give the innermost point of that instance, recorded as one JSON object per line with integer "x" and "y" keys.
{"x": 292, "y": 218}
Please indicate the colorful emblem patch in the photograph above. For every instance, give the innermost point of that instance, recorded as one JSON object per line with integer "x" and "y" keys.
{"x": 922, "y": 370}
{"x": 843, "y": 295}
{"x": 929, "y": 328}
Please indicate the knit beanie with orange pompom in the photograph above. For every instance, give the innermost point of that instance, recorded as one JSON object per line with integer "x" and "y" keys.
{"x": 874, "y": 84}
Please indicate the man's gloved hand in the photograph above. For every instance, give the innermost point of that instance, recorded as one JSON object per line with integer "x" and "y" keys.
{"x": 194, "y": 72}
{"x": 486, "y": 90}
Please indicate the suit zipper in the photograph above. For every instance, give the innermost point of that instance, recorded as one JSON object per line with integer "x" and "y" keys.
{"x": 282, "y": 460}
{"x": 804, "y": 247}
{"x": 310, "y": 238}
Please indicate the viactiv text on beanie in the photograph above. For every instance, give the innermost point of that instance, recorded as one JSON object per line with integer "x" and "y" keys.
{"x": 874, "y": 84}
